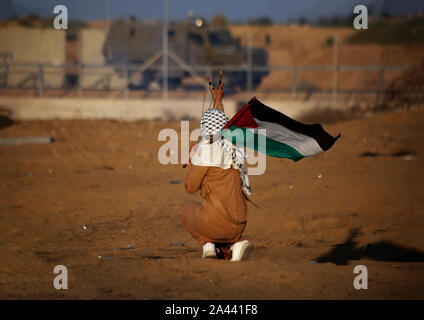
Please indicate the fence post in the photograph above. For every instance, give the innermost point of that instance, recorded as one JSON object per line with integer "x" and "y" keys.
{"x": 209, "y": 71}
{"x": 335, "y": 67}
{"x": 381, "y": 83}
{"x": 40, "y": 80}
{"x": 294, "y": 83}
{"x": 6, "y": 71}
{"x": 126, "y": 91}
{"x": 165, "y": 53}
{"x": 79, "y": 80}
{"x": 6, "y": 75}
{"x": 249, "y": 63}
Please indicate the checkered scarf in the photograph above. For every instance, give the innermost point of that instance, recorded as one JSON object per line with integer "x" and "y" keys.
{"x": 211, "y": 125}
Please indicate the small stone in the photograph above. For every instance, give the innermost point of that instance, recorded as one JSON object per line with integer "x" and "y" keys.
{"x": 319, "y": 176}
{"x": 176, "y": 181}
{"x": 128, "y": 247}
{"x": 409, "y": 158}
{"x": 84, "y": 227}
{"x": 178, "y": 244}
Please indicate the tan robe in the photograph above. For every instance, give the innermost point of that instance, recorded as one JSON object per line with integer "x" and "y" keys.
{"x": 222, "y": 215}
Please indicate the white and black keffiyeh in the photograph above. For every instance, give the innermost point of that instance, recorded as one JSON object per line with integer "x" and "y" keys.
{"x": 211, "y": 125}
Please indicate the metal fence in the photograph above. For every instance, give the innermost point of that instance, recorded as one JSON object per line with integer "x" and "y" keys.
{"x": 38, "y": 73}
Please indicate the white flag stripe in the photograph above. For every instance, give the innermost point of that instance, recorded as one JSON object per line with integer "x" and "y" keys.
{"x": 304, "y": 144}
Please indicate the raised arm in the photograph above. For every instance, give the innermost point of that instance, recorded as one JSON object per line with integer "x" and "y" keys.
{"x": 217, "y": 96}
{"x": 194, "y": 177}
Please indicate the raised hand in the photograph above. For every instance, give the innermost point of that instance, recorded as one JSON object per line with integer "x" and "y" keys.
{"x": 217, "y": 96}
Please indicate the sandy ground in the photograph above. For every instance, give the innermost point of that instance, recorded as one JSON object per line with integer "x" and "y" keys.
{"x": 308, "y": 235}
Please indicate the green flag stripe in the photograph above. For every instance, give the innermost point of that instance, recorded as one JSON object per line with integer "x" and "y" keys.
{"x": 273, "y": 148}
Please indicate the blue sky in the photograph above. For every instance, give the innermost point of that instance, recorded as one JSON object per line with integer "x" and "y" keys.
{"x": 153, "y": 9}
{"x": 241, "y": 10}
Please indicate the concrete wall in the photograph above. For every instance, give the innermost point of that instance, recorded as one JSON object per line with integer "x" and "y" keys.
{"x": 91, "y": 45}
{"x": 132, "y": 109}
{"x": 33, "y": 45}
{"x": 102, "y": 78}
{"x": 121, "y": 109}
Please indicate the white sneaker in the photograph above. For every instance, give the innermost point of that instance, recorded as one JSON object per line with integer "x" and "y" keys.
{"x": 241, "y": 250}
{"x": 209, "y": 251}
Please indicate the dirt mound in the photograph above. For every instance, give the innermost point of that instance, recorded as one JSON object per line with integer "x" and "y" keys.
{"x": 330, "y": 115}
{"x": 405, "y": 91}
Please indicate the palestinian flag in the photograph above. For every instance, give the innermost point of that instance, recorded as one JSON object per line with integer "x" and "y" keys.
{"x": 285, "y": 137}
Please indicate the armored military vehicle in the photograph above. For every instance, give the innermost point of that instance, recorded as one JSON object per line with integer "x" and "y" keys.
{"x": 193, "y": 40}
